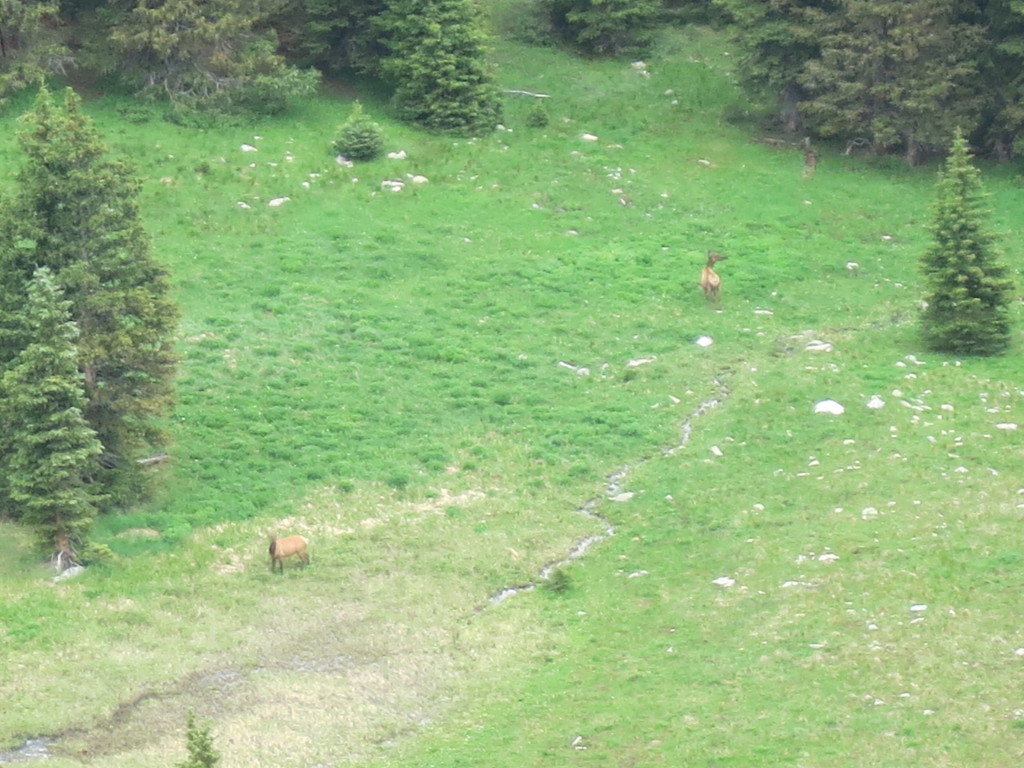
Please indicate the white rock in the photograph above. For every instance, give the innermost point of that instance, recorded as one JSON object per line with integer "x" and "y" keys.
{"x": 399, "y": 155}
{"x": 344, "y": 161}
{"x": 828, "y": 557}
{"x": 704, "y": 341}
{"x": 724, "y": 581}
{"x": 588, "y": 137}
{"x": 249, "y": 148}
{"x": 1007, "y": 425}
{"x": 417, "y": 179}
{"x": 70, "y": 573}
{"x": 716, "y": 451}
{"x": 624, "y": 496}
{"x": 637, "y": 362}
{"x": 875, "y": 403}
{"x": 830, "y": 407}
{"x": 243, "y": 205}
{"x": 817, "y": 345}
{"x": 278, "y": 201}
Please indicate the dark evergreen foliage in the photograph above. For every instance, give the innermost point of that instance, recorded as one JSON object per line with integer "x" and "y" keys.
{"x": 214, "y": 56}
{"x": 436, "y": 59}
{"x": 31, "y": 48}
{"x": 776, "y": 42}
{"x": 331, "y": 35}
{"x": 605, "y": 27}
{"x": 76, "y": 212}
{"x": 895, "y": 74}
{"x": 49, "y": 448}
{"x": 968, "y": 285}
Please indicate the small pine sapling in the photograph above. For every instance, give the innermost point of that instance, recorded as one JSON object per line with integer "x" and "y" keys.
{"x": 199, "y": 743}
{"x": 967, "y": 309}
{"x": 360, "y": 138}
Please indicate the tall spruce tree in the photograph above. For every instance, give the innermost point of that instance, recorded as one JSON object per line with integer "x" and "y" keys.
{"x": 897, "y": 73}
{"x": 49, "y": 448}
{"x": 76, "y": 212}
{"x": 776, "y": 41}
{"x": 968, "y": 285}
{"x": 436, "y": 57}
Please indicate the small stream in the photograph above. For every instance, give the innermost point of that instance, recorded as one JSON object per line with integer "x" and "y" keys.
{"x": 33, "y": 749}
{"x": 613, "y": 488}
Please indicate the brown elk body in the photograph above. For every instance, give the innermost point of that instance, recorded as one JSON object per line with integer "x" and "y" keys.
{"x": 286, "y": 547}
{"x": 710, "y": 282}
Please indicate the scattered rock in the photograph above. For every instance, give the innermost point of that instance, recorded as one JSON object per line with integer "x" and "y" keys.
{"x": 70, "y": 573}
{"x": 277, "y": 202}
{"x": 724, "y": 581}
{"x": 588, "y": 137}
{"x": 875, "y": 403}
{"x": 830, "y": 407}
{"x": 817, "y": 345}
{"x": 704, "y": 341}
{"x": 249, "y": 148}
{"x": 399, "y": 155}
{"x": 637, "y": 362}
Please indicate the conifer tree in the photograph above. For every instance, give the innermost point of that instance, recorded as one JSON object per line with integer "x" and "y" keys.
{"x": 199, "y": 743}
{"x": 76, "y": 212}
{"x": 206, "y": 55}
{"x": 606, "y": 27}
{"x": 898, "y": 73}
{"x": 49, "y": 448}
{"x": 777, "y": 40}
{"x": 968, "y": 285}
{"x": 436, "y": 57}
{"x": 30, "y": 44}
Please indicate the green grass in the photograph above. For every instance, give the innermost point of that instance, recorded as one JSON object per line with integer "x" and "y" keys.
{"x": 383, "y": 372}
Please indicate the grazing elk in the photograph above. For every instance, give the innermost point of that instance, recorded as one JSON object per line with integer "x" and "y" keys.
{"x": 710, "y": 282}
{"x": 286, "y": 547}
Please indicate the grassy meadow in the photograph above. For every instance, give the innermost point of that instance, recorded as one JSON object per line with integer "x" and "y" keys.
{"x": 447, "y": 387}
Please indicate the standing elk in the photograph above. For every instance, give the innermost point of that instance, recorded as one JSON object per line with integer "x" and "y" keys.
{"x": 286, "y": 547}
{"x": 710, "y": 282}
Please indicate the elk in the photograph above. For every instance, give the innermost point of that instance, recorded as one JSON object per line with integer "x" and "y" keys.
{"x": 710, "y": 282}
{"x": 286, "y": 547}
